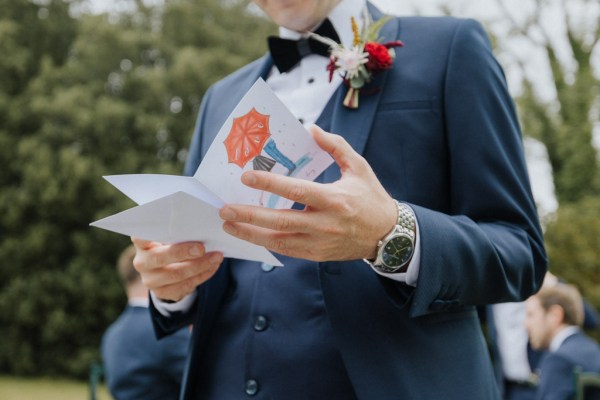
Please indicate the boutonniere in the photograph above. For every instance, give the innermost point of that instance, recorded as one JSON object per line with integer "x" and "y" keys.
{"x": 359, "y": 63}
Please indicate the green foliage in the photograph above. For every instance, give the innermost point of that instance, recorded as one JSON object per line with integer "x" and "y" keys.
{"x": 81, "y": 98}
{"x": 565, "y": 126}
{"x": 32, "y": 32}
{"x": 567, "y": 135}
{"x": 573, "y": 245}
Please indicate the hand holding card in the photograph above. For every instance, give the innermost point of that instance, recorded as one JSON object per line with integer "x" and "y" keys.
{"x": 260, "y": 134}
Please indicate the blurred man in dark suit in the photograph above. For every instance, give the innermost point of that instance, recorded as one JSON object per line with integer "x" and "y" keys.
{"x": 137, "y": 366}
{"x": 516, "y": 363}
{"x": 554, "y": 317}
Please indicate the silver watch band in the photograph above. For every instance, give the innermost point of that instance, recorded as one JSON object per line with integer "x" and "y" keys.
{"x": 405, "y": 224}
{"x": 406, "y": 217}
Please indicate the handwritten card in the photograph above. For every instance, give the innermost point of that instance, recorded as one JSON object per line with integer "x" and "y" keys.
{"x": 260, "y": 134}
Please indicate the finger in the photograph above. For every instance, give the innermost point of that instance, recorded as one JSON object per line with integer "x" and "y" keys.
{"x": 282, "y": 243}
{"x": 341, "y": 151}
{"x": 181, "y": 271}
{"x": 298, "y": 190}
{"x": 159, "y": 256}
{"x": 181, "y": 289}
{"x": 277, "y": 220}
{"x": 298, "y": 245}
{"x": 142, "y": 244}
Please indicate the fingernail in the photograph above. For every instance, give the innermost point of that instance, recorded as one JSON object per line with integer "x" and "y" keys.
{"x": 228, "y": 213}
{"x": 215, "y": 259}
{"x": 195, "y": 251}
{"x": 229, "y": 228}
{"x": 248, "y": 179}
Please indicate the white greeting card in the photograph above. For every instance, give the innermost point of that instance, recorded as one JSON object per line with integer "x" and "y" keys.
{"x": 260, "y": 134}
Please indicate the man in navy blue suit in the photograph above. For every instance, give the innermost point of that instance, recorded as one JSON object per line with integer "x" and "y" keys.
{"x": 429, "y": 187}
{"x": 137, "y": 366}
{"x": 554, "y": 319}
{"x": 515, "y": 361}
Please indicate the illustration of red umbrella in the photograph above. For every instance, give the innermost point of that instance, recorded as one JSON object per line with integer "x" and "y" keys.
{"x": 247, "y": 137}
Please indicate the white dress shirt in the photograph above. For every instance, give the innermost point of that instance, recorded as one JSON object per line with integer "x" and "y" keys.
{"x": 512, "y": 339}
{"x": 138, "y": 302}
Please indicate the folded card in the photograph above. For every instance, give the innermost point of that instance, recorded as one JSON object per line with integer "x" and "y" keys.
{"x": 260, "y": 134}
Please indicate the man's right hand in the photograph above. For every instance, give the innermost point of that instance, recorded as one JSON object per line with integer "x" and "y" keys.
{"x": 172, "y": 271}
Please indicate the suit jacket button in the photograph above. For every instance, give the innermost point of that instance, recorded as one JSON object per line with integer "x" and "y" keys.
{"x": 261, "y": 323}
{"x": 267, "y": 267}
{"x": 251, "y": 387}
{"x": 438, "y": 305}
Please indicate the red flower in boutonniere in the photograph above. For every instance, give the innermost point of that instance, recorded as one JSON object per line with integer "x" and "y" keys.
{"x": 359, "y": 63}
{"x": 379, "y": 57}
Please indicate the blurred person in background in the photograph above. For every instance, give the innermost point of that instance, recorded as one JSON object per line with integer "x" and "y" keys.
{"x": 137, "y": 366}
{"x": 516, "y": 363}
{"x": 554, "y": 317}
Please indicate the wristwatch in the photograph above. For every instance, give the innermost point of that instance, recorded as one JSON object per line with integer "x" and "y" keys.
{"x": 396, "y": 249}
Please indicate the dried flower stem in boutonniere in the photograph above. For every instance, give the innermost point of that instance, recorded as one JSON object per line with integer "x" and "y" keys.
{"x": 366, "y": 57}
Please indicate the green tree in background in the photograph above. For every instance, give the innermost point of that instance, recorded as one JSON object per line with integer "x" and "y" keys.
{"x": 565, "y": 123}
{"x": 82, "y": 97}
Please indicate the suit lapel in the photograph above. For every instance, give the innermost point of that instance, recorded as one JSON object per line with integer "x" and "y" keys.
{"x": 264, "y": 68}
{"x": 261, "y": 70}
{"x": 355, "y": 125}
{"x": 240, "y": 86}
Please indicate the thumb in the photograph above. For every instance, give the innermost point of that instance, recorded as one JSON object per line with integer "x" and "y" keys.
{"x": 339, "y": 149}
{"x": 142, "y": 244}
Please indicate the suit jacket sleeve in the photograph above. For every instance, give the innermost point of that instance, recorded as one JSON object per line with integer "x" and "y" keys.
{"x": 487, "y": 247}
{"x": 165, "y": 326}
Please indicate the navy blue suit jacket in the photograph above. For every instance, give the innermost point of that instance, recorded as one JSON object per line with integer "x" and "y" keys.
{"x": 136, "y": 365}
{"x": 442, "y": 135}
{"x": 557, "y": 368}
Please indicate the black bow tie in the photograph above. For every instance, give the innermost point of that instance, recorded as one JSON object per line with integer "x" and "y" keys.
{"x": 286, "y": 53}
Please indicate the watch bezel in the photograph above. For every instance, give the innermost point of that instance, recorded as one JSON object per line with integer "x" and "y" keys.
{"x": 380, "y": 263}
{"x": 404, "y": 255}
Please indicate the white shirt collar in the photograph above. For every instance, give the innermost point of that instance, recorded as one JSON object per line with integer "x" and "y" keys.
{"x": 340, "y": 18}
{"x": 139, "y": 302}
{"x": 561, "y": 336}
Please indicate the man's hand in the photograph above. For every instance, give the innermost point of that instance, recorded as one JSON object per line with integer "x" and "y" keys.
{"x": 174, "y": 271}
{"x": 343, "y": 220}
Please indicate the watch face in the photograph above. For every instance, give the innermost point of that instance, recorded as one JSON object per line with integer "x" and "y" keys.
{"x": 397, "y": 251}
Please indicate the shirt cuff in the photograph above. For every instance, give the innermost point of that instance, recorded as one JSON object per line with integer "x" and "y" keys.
{"x": 166, "y": 309}
{"x": 412, "y": 273}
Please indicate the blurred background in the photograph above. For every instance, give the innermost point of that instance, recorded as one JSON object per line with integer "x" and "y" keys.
{"x": 92, "y": 88}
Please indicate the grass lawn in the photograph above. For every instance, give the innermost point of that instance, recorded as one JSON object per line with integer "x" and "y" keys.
{"x": 47, "y": 389}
